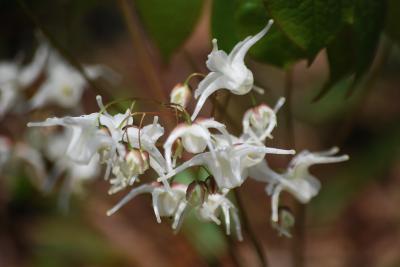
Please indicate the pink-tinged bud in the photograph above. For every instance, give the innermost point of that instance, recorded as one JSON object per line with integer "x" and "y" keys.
{"x": 181, "y": 95}
{"x": 261, "y": 116}
{"x": 138, "y": 161}
{"x": 196, "y": 193}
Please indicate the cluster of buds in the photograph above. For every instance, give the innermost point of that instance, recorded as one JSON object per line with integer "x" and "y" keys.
{"x": 128, "y": 149}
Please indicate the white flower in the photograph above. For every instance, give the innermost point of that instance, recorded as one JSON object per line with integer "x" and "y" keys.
{"x": 195, "y": 138}
{"x": 127, "y": 169}
{"x": 297, "y": 179}
{"x": 229, "y": 167}
{"x": 259, "y": 122}
{"x": 181, "y": 95}
{"x": 173, "y": 203}
{"x": 138, "y": 153}
{"x": 166, "y": 202}
{"x": 55, "y": 150}
{"x": 228, "y": 71}
{"x": 31, "y": 156}
{"x": 64, "y": 84}
{"x": 86, "y": 138}
{"x": 14, "y": 78}
{"x": 145, "y": 139}
{"x": 210, "y": 210}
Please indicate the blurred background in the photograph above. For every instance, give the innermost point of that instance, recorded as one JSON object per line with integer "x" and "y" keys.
{"x": 342, "y": 89}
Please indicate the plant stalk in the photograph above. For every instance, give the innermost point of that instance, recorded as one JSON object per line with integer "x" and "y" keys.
{"x": 246, "y": 226}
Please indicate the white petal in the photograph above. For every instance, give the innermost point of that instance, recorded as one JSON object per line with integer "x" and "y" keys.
{"x": 219, "y": 83}
{"x": 239, "y": 54}
{"x": 133, "y": 193}
{"x": 217, "y": 59}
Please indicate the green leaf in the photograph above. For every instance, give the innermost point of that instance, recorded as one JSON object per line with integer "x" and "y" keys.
{"x": 341, "y": 58}
{"x": 311, "y": 24}
{"x": 169, "y": 23}
{"x": 369, "y": 18}
{"x": 233, "y": 20}
{"x": 353, "y": 49}
{"x": 276, "y": 48}
{"x": 223, "y": 23}
{"x": 393, "y": 20}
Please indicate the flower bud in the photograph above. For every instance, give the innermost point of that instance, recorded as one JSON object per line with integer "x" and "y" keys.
{"x": 196, "y": 193}
{"x": 285, "y": 223}
{"x": 261, "y": 116}
{"x": 259, "y": 121}
{"x": 181, "y": 95}
{"x": 138, "y": 161}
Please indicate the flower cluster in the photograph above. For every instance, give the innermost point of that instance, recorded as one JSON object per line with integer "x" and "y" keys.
{"x": 48, "y": 80}
{"x": 129, "y": 149}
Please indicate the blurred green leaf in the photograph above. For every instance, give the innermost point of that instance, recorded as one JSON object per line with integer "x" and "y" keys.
{"x": 369, "y": 18}
{"x": 311, "y": 24}
{"x": 353, "y": 49}
{"x": 207, "y": 238}
{"x": 169, "y": 23}
{"x": 233, "y": 20}
{"x": 393, "y": 20}
{"x": 276, "y": 48}
{"x": 332, "y": 107}
{"x": 340, "y": 59}
{"x": 369, "y": 162}
{"x": 69, "y": 241}
{"x": 223, "y": 23}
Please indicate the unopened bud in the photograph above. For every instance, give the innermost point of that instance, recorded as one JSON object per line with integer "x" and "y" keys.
{"x": 196, "y": 193}
{"x": 181, "y": 95}
{"x": 261, "y": 116}
{"x": 285, "y": 223}
{"x": 211, "y": 185}
{"x": 137, "y": 160}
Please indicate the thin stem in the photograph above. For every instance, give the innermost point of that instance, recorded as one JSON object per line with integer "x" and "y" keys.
{"x": 288, "y": 93}
{"x": 298, "y": 245}
{"x": 141, "y": 51}
{"x": 246, "y": 226}
{"x": 232, "y": 250}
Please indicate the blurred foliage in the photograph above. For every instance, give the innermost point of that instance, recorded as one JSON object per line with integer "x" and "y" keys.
{"x": 373, "y": 157}
{"x": 392, "y": 21}
{"x": 169, "y": 23}
{"x": 247, "y": 18}
{"x": 349, "y": 30}
{"x": 75, "y": 245}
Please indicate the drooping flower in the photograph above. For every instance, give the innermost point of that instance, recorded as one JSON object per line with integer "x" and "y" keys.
{"x": 195, "y": 138}
{"x": 86, "y": 138}
{"x": 166, "y": 202}
{"x": 14, "y": 78}
{"x": 297, "y": 179}
{"x": 64, "y": 85}
{"x": 230, "y": 163}
{"x": 75, "y": 173}
{"x": 259, "y": 122}
{"x": 173, "y": 203}
{"x": 127, "y": 169}
{"x": 228, "y": 71}
{"x": 210, "y": 210}
{"x": 181, "y": 95}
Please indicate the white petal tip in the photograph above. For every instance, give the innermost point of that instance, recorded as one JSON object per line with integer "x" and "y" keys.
{"x": 110, "y": 212}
